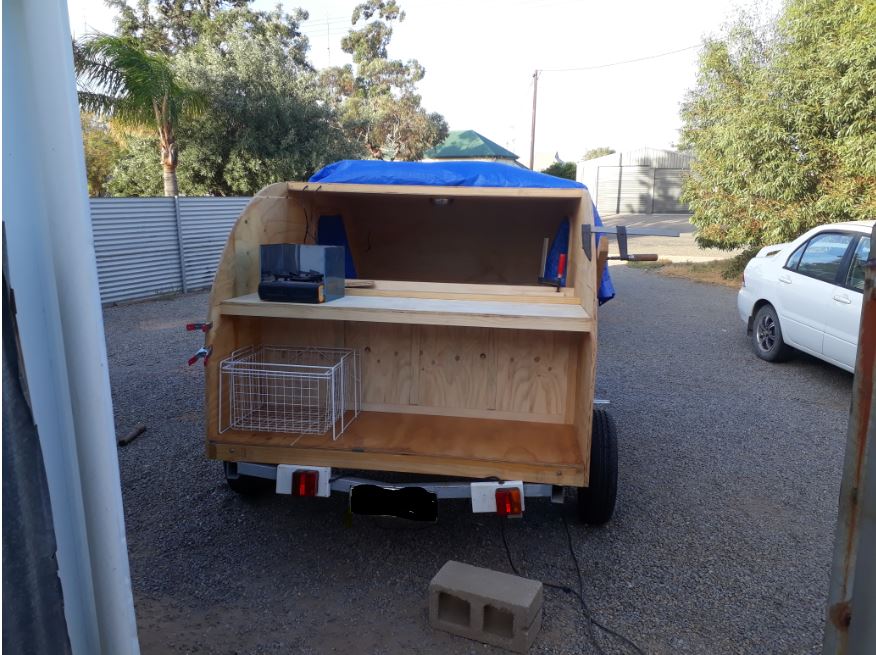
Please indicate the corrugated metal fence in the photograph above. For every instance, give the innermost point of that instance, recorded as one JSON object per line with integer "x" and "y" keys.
{"x": 644, "y": 181}
{"x": 147, "y": 246}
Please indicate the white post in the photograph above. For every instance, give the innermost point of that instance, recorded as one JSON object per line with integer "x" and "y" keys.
{"x": 53, "y": 273}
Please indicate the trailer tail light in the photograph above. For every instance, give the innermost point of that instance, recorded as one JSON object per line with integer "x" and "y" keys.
{"x": 305, "y": 482}
{"x": 508, "y": 502}
{"x": 495, "y": 497}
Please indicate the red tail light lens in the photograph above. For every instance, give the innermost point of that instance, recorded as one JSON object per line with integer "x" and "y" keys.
{"x": 305, "y": 483}
{"x": 508, "y": 502}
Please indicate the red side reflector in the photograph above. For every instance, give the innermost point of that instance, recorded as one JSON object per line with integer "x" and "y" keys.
{"x": 305, "y": 483}
{"x": 508, "y": 502}
{"x": 561, "y": 265}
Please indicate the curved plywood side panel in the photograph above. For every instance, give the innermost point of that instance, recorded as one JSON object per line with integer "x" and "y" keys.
{"x": 270, "y": 217}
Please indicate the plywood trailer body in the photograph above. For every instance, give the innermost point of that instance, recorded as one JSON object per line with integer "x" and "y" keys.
{"x": 468, "y": 366}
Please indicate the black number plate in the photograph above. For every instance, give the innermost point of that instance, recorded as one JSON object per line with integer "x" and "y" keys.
{"x": 413, "y": 503}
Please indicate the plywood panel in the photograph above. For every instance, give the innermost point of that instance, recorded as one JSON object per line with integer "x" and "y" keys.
{"x": 586, "y": 376}
{"x": 457, "y": 291}
{"x": 387, "y": 363}
{"x": 457, "y": 367}
{"x": 558, "y": 474}
{"x": 533, "y": 371}
{"x": 469, "y": 241}
{"x": 468, "y": 413}
{"x": 234, "y": 274}
{"x": 421, "y": 311}
{"x": 279, "y": 332}
{"x": 437, "y": 436}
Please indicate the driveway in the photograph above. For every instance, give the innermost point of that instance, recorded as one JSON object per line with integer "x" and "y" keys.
{"x": 729, "y": 477}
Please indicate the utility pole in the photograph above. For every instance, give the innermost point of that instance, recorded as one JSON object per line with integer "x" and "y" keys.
{"x": 532, "y": 135}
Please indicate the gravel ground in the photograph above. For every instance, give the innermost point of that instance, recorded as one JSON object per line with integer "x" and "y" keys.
{"x": 729, "y": 478}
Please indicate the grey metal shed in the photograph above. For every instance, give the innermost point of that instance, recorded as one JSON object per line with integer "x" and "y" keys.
{"x": 643, "y": 181}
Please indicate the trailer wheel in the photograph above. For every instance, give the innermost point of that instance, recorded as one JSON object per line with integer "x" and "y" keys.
{"x": 245, "y": 485}
{"x": 596, "y": 502}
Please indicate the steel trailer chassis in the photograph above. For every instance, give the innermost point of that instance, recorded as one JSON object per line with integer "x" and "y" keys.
{"x": 457, "y": 489}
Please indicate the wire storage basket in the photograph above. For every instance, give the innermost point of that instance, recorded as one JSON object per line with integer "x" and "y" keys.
{"x": 288, "y": 389}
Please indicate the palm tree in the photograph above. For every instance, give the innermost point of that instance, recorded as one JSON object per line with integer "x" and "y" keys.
{"x": 118, "y": 78}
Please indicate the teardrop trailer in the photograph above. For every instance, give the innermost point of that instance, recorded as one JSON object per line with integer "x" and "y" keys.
{"x": 463, "y": 349}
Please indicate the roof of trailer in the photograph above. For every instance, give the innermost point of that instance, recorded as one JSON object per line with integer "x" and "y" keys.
{"x": 440, "y": 173}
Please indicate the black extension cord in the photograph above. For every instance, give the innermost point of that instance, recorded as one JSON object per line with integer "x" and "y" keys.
{"x": 579, "y": 594}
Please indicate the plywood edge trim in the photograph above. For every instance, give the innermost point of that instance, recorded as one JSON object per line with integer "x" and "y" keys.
{"x": 435, "y": 191}
{"x": 552, "y": 299}
{"x": 316, "y": 312}
{"x": 467, "y": 287}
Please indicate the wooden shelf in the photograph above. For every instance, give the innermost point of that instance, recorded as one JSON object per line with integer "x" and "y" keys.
{"x": 440, "y": 445}
{"x": 422, "y": 311}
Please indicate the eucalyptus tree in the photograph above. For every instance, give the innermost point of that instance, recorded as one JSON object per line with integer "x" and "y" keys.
{"x": 376, "y": 97}
{"x": 782, "y": 123}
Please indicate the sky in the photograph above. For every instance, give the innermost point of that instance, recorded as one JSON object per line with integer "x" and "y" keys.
{"x": 480, "y": 56}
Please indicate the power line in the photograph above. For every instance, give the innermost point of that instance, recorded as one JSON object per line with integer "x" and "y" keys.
{"x": 328, "y": 19}
{"x": 618, "y": 63}
{"x": 538, "y": 72}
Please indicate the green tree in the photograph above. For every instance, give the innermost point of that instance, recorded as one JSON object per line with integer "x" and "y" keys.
{"x": 781, "y": 123}
{"x": 118, "y": 78}
{"x": 376, "y": 97}
{"x": 102, "y": 151}
{"x": 267, "y": 121}
{"x": 171, "y": 26}
{"x": 602, "y": 151}
{"x": 137, "y": 173}
{"x": 564, "y": 169}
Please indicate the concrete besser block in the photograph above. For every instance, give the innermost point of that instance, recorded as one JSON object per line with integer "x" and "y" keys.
{"x": 487, "y": 606}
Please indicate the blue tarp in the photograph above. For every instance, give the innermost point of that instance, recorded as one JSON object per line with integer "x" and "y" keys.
{"x": 451, "y": 173}
{"x": 330, "y": 232}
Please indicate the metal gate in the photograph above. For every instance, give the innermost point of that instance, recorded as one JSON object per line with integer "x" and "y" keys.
{"x": 667, "y": 190}
{"x": 624, "y": 189}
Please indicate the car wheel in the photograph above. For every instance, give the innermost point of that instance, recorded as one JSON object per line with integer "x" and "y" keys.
{"x": 596, "y": 501}
{"x": 766, "y": 336}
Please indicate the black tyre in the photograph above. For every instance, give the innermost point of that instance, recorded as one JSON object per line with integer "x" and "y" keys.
{"x": 766, "y": 336}
{"x": 245, "y": 485}
{"x": 596, "y": 501}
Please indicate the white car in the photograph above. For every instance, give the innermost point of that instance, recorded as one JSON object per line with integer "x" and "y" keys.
{"x": 807, "y": 294}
